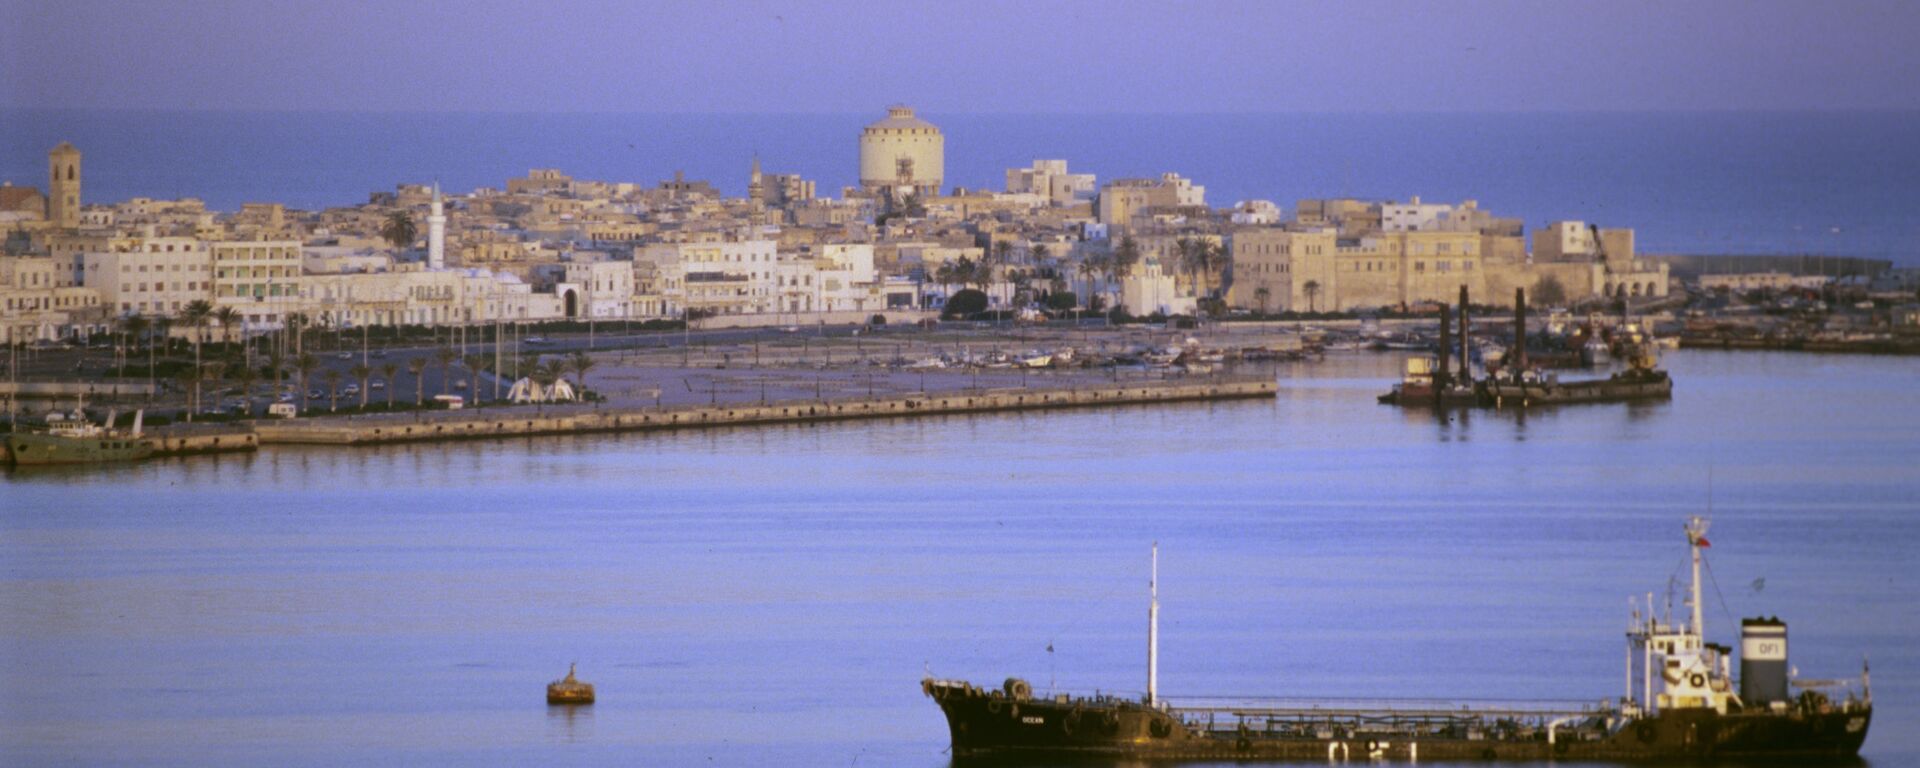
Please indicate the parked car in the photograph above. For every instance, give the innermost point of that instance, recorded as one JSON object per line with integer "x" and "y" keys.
{"x": 376, "y": 384}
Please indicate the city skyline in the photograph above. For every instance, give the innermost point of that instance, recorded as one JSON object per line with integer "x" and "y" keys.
{"x": 775, "y": 58}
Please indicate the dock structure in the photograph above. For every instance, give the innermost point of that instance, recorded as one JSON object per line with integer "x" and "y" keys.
{"x": 519, "y": 421}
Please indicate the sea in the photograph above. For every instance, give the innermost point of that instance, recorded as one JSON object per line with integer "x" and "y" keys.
{"x": 1831, "y": 183}
{"x": 774, "y": 595}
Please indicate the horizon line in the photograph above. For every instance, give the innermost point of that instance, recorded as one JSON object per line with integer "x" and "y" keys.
{"x": 982, "y": 113}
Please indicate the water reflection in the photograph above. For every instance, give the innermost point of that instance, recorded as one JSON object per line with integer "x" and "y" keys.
{"x": 569, "y": 723}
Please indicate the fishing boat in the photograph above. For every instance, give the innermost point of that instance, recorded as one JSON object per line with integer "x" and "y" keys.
{"x": 72, "y": 439}
{"x": 1681, "y": 702}
{"x": 569, "y": 690}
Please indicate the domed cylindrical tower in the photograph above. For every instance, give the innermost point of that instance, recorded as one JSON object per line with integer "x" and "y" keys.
{"x": 902, "y": 155}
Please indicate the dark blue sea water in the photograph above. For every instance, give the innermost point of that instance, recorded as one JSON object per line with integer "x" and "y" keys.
{"x": 1755, "y": 182}
{"x": 772, "y": 596}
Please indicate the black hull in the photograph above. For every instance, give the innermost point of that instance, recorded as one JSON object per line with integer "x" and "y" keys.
{"x": 1620, "y": 388}
{"x": 991, "y": 727}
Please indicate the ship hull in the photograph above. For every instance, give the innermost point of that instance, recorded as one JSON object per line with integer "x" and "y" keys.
{"x": 24, "y": 449}
{"x": 989, "y": 726}
{"x": 1620, "y": 388}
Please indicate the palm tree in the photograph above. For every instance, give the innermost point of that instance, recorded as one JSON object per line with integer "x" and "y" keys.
{"x": 387, "y": 370}
{"x": 162, "y": 327}
{"x": 445, "y": 357}
{"x": 1218, "y": 259}
{"x": 1188, "y": 261}
{"x": 332, "y": 378}
{"x": 136, "y": 327}
{"x": 1120, "y": 265}
{"x": 475, "y": 363}
{"x": 362, "y": 372}
{"x": 1038, "y": 252}
{"x": 418, "y": 367}
{"x": 188, "y": 379}
{"x": 982, "y": 273}
{"x": 276, "y": 366}
{"x": 581, "y": 363}
{"x": 213, "y": 372}
{"x": 305, "y": 364}
{"x": 195, "y": 315}
{"x": 1089, "y": 270}
{"x": 1312, "y": 289}
{"x": 246, "y": 376}
{"x": 227, "y": 317}
{"x": 1262, "y": 295}
{"x": 399, "y": 229}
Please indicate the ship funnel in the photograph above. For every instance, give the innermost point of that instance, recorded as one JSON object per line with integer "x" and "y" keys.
{"x": 1763, "y": 661}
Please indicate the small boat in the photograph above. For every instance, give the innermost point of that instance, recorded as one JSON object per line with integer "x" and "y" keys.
{"x": 74, "y": 440}
{"x": 569, "y": 690}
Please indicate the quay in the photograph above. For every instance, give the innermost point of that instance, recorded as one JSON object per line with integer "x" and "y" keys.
{"x": 518, "y": 421}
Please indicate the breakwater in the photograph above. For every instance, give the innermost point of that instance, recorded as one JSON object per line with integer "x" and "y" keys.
{"x": 527, "y": 420}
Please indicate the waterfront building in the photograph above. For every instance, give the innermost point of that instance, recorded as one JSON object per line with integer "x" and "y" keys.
{"x": 39, "y": 303}
{"x": 259, "y": 279}
{"x": 147, "y": 275}
{"x": 723, "y": 278}
{"x": 902, "y": 155}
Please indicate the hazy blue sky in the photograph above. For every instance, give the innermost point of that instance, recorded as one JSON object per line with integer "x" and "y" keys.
{"x": 958, "y": 56}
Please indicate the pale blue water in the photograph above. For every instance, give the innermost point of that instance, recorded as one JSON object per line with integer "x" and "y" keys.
{"x": 773, "y": 595}
{"x": 1756, "y": 182}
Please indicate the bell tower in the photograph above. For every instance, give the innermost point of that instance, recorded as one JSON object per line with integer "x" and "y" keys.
{"x": 63, "y": 186}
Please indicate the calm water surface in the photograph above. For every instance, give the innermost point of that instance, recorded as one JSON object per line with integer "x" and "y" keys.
{"x": 773, "y": 595}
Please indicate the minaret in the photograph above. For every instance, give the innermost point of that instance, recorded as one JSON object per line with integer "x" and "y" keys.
{"x": 756, "y": 189}
{"x": 63, "y": 186}
{"x": 437, "y": 232}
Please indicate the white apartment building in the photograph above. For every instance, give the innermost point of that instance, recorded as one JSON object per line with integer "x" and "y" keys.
{"x": 149, "y": 275}
{"x": 727, "y": 278}
{"x": 258, "y": 279}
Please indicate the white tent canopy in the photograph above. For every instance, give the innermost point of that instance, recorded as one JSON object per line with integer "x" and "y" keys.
{"x": 530, "y": 391}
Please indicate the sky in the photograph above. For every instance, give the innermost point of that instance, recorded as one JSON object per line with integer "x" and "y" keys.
{"x": 977, "y": 56}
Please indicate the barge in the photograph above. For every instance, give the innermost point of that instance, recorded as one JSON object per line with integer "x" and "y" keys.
{"x": 1681, "y": 702}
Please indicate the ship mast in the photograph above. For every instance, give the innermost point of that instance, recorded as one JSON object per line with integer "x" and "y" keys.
{"x": 1697, "y": 538}
{"x": 1153, "y": 627}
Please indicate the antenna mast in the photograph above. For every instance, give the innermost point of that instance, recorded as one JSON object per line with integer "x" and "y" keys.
{"x": 1697, "y": 538}
{"x": 1153, "y": 627}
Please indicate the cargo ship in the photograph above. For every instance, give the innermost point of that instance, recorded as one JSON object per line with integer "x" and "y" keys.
{"x": 1681, "y": 702}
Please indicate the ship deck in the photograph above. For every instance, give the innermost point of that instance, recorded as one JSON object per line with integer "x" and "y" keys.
{"x": 1310, "y": 716}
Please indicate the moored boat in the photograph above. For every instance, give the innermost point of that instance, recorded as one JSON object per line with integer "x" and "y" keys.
{"x": 72, "y": 439}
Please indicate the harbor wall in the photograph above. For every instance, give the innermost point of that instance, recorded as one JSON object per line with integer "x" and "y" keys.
{"x": 187, "y": 440}
{"x": 522, "y": 421}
